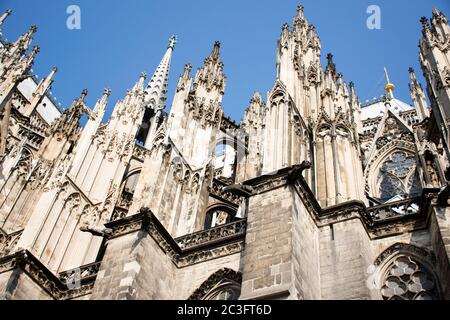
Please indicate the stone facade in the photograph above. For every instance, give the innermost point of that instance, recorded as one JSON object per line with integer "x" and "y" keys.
{"x": 312, "y": 196}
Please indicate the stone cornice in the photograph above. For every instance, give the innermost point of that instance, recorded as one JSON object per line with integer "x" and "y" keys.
{"x": 269, "y": 182}
{"x": 49, "y": 282}
{"x": 187, "y": 250}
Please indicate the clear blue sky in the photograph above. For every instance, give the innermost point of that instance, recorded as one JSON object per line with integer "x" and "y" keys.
{"x": 120, "y": 39}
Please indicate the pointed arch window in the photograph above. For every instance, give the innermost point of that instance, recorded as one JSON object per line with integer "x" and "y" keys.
{"x": 408, "y": 279}
{"x": 225, "y": 284}
{"x": 225, "y": 291}
{"x": 398, "y": 177}
{"x": 219, "y": 216}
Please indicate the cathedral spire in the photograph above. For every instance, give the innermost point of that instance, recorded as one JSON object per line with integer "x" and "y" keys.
{"x": 156, "y": 92}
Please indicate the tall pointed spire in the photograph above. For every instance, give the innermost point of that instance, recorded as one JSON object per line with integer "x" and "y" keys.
{"x": 156, "y": 92}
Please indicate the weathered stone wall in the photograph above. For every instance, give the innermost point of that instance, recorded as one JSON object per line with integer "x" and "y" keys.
{"x": 440, "y": 242}
{"x": 22, "y": 287}
{"x": 5, "y": 292}
{"x": 134, "y": 267}
{"x": 267, "y": 261}
{"x": 85, "y": 297}
{"x": 190, "y": 278}
{"x": 306, "y": 271}
{"x": 344, "y": 253}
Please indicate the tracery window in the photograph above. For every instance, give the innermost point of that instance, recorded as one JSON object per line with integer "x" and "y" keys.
{"x": 225, "y": 284}
{"x": 398, "y": 177}
{"x": 408, "y": 279}
{"x": 230, "y": 292}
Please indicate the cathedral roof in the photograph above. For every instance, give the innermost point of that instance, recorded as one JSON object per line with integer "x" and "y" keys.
{"x": 377, "y": 108}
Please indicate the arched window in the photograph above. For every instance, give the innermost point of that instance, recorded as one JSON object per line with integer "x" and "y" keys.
{"x": 219, "y": 216}
{"x": 225, "y": 291}
{"x": 398, "y": 177}
{"x": 408, "y": 279}
{"x": 225, "y": 284}
{"x": 131, "y": 183}
{"x": 129, "y": 187}
{"x": 225, "y": 160}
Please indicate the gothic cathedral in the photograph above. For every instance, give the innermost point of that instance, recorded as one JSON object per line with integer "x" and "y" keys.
{"x": 314, "y": 195}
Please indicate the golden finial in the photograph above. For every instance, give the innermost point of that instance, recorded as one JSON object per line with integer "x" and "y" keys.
{"x": 390, "y": 87}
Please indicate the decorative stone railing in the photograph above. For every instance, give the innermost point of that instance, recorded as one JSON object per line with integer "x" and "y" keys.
{"x": 231, "y": 230}
{"x": 394, "y": 210}
{"x": 8, "y": 241}
{"x": 82, "y": 274}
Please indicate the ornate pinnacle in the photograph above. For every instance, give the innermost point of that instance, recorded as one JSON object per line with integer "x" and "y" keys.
{"x": 172, "y": 42}
{"x": 330, "y": 58}
{"x": 215, "y": 53}
{"x": 106, "y": 92}
{"x": 331, "y": 66}
{"x": 4, "y": 16}
{"x": 187, "y": 70}
{"x": 256, "y": 98}
{"x": 436, "y": 12}
{"x": 35, "y": 50}
{"x": 84, "y": 93}
{"x": 144, "y": 75}
{"x": 300, "y": 10}
{"x": 424, "y": 22}
{"x": 412, "y": 76}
